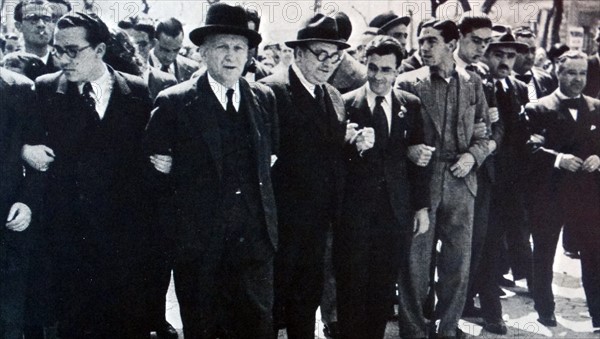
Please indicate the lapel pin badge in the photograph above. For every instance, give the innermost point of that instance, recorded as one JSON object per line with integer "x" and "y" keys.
{"x": 593, "y": 127}
{"x": 402, "y": 112}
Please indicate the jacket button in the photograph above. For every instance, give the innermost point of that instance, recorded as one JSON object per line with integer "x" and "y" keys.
{"x": 242, "y": 239}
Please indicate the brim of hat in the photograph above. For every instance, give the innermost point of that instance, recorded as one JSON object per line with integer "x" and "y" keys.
{"x": 339, "y": 43}
{"x": 519, "y": 46}
{"x": 398, "y": 21}
{"x": 198, "y": 35}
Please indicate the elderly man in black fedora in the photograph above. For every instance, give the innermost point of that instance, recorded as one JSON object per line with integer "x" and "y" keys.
{"x": 393, "y": 25}
{"x": 307, "y": 175}
{"x": 218, "y": 129}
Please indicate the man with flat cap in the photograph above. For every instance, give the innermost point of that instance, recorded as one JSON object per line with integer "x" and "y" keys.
{"x": 307, "y": 175}
{"x": 392, "y": 25}
{"x": 218, "y": 128}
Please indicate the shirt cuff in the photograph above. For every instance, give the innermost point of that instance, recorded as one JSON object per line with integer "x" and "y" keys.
{"x": 558, "y": 159}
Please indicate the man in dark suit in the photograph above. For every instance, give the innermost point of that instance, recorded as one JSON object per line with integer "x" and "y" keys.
{"x": 565, "y": 187}
{"x": 19, "y": 198}
{"x": 93, "y": 117}
{"x": 452, "y": 102}
{"x": 372, "y": 239}
{"x": 539, "y": 82}
{"x": 592, "y": 88}
{"x": 165, "y": 54}
{"x": 220, "y": 131}
{"x": 307, "y": 175}
{"x": 505, "y": 173}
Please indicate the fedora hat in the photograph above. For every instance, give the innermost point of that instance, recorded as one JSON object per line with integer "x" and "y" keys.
{"x": 225, "y": 19}
{"x": 319, "y": 28}
{"x": 388, "y": 20}
{"x": 508, "y": 40}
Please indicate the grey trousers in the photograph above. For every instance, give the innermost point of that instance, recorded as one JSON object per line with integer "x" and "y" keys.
{"x": 451, "y": 217}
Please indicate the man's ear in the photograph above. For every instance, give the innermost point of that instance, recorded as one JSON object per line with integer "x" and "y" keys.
{"x": 18, "y": 26}
{"x": 100, "y": 49}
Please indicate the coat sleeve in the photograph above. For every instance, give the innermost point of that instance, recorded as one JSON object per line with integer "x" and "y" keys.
{"x": 479, "y": 146}
{"x": 419, "y": 177}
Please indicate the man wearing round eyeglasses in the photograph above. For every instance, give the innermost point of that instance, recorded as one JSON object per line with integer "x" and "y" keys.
{"x": 307, "y": 177}
{"x": 92, "y": 118}
{"x": 36, "y": 19}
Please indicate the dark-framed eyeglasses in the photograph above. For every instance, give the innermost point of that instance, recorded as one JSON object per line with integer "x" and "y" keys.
{"x": 70, "y": 51}
{"x": 322, "y": 56}
{"x": 33, "y": 18}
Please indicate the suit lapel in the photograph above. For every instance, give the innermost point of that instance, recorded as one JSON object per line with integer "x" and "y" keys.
{"x": 202, "y": 111}
{"x": 424, "y": 90}
{"x": 306, "y": 104}
{"x": 363, "y": 112}
{"x": 465, "y": 122}
{"x": 248, "y": 100}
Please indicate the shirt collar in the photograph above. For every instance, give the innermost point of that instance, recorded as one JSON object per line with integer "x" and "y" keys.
{"x": 460, "y": 63}
{"x": 100, "y": 84}
{"x": 309, "y": 87}
{"x": 504, "y": 83}
{"x": 372, "y": 95}
{"x": 563, "y": 96}
{"x": 46, "y": 57}
{"x": 220, "y": 92}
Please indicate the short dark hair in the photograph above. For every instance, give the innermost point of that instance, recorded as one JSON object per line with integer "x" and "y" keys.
{"x": 170, "y": 27}
{"x": 253, "y": 16}
{"x": 447, "y": 28}
{"x": 18, "y": 14}
{"x": 344, "y": 25}
{"x": 469, "y": 24}
{"x": 96, "y": 30}
{"x": 385, "y": 45}
{"x": 146, "y": 26}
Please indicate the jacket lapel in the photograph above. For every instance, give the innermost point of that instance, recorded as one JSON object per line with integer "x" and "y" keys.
{"x": 465, "y": 121}
{"x": 424, "y": 90}
{"x": 202, "y": 111}
{"x": 248, "y": 100}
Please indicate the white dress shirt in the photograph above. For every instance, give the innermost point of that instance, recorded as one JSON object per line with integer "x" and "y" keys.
{"x": 221, "y": 92}
{"x": 101, "y": 91}
{"x": 386, "y": 104}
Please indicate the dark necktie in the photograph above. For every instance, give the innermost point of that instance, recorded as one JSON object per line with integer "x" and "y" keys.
{"x": 471, "y": 68}
{"x": 320, "y": 98}
{"x": 526, "y": 78}
{"x": 380, "y": 123}
{"x": 88, "y": 99}
{"x": 230, "y": 108}
{"x": 164, "y": 68}
{"x": 571, "y": 103}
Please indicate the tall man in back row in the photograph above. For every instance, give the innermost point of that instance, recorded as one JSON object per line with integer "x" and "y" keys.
{"x": 307, "y": 175}
{"x": 219, "y": 130}
{"x": 452, "y": 102}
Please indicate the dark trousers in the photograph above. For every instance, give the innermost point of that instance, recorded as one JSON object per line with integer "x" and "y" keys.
{"x": 13, "y": 283}
{"x": 299, "y": 272}
{"x": 367, "y": 252}
{"x": 329, "y": 298}
{"x": 546, "y": 226}
{"x": 590, "y": 261}
{"x": 226, "y": 289}
{"x": 480, "y": 230}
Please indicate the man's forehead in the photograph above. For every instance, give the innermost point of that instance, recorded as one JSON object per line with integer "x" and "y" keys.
{"x": 166, "y": 37}
{"x": 400, "y": 27}
{"x": 482, "y": 33}
{"x": 382, "y": 60}
{"x": 503, "y": 49}
{"x": 230, "y": 38}
{"x": 69, "y": 35}
{"x": 527, "y": 40}
{"x": 430, "y": 32}
{"x": 575, "y": 63}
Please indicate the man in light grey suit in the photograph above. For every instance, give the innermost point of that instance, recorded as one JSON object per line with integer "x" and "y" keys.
{"x": 452, "y": 102}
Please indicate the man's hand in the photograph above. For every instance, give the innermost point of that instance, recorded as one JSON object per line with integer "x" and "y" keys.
{"x": 351, "y": 132}
{"x": 493, "y": 114}
{"x": 365, "y": 139}
{"x": 480, "y": 130}
{"x": 463, "y": 166}
{"x": 570, "y": 163}
{"x": 19, "y": 217}
{"x": 38, "y": 156}
{"x": 492, "y": 146}
{"x": 536, "y": 139}
{"x": 591, "y": 164}
{"x": 162, "y": 163}
{"x": 421, "y": 222}
{"x": 420, "y": 154}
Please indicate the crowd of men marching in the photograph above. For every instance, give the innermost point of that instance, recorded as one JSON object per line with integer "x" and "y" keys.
{"x": 324, "y": 175}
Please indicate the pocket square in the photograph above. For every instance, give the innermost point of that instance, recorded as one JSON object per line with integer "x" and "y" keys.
{"x": 593, "y": 127}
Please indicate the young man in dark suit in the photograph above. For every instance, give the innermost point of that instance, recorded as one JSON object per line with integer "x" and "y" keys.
{"x": 93, "y": 118}
{"x": 386, "y": 199}
{"x": 565, "y": 187}
{"x": 220, "y": 131}
{"x": 452, "y": 102}
{"x": 307, "y": 175}
{"x": 19, "y": 198}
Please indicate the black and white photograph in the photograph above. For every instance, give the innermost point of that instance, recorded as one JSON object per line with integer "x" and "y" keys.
{"x": 308, "y": 169}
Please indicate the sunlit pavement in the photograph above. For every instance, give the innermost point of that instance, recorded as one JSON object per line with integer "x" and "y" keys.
{"x": 521, "y": 319}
